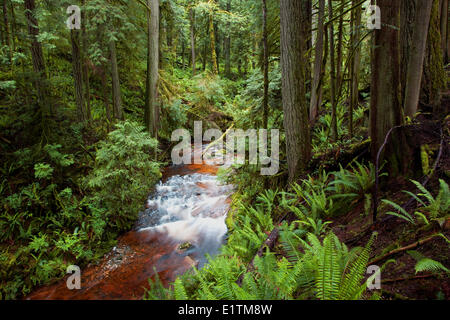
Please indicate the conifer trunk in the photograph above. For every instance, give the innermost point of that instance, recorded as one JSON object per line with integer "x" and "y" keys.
{"x": 77, "y": 73}
{"x": 117, "y": 98}
{"x": 293, "y": 46}
{"x": 265, "y": 67}
{"x": 316, "y": 94}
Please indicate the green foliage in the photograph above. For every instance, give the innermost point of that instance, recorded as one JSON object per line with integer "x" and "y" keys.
{"x": 124, "y": 164}
{"x": 331, "y": 194}
{"x": 306, "y": 268}
{"x": 425, "y": 264}
{"x": 327, "y": 271}
{"x": 43, "y": 171}
{"x": 55, "y": 219}
{"x": 432, "y": 208}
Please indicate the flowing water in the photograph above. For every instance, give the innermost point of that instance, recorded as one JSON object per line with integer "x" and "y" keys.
{"x": 183, "y": 222}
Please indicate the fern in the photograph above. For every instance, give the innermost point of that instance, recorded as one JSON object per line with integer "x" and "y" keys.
{"x": 179, "y": 290}
{"x": 428, "y": 264}
{"x": 401, "y": 213}
{"x": 328, "y": 271}
{"x": 351, "y": 285}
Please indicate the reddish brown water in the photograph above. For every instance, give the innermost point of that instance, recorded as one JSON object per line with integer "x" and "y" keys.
{"x": 124, "y": 272}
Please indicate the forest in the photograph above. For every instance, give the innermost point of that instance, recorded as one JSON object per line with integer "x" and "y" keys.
{"x": 351, "y": 97}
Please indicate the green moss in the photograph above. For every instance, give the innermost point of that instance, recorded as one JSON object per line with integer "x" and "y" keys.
{"x": 424, "y": 155}
{"x": 435, "y": 75}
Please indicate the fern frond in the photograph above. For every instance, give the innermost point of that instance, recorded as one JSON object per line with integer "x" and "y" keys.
{"x": 328, "y": 271}
{"x": 431, "y": 265}
{"x": 351, "y": 285}
{"x": 179, "y": 290}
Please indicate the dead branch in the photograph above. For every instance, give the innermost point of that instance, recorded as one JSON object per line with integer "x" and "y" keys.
{"x": 410, "y": 278}
{"x": 408, "y": 247}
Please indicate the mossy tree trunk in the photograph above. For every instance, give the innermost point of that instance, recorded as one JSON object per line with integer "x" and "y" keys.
{"x": 316, "y": 94}
{"x": 416, "y": 57}
{"x": 192, "y": 22}
{"x": 334, "y": 120}
{"x": 434, "y": 72}
{"x": 77, "y": 70}
{"x": 265, "y": 67}
{"x": 295, "y": 107}
{"x": 385, "y": 106}
{"x": 117, "y": 98}
{"x": 153, "y": 58}
{"x": 355, "y": 62}
{"x": 212, "y": 42}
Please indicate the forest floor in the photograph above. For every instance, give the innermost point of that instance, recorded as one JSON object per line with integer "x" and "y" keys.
{"x": 399, "y": 280}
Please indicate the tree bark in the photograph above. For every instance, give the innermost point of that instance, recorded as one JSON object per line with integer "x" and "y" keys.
{"x": 13, "y": 26}
{"x": 77, "y": 73}
{"x": 316, "y": 95}
{"x": 417, "y": 56}
{"x": 85, "y": 63}
{"x": 293, "y": 46}
{"x": 7, "y": 33}
{"x": 434, "y": 71}
{"x": 151, "y": 108}
{"x": 193, "y": 57}
{"x": 37, "y": 58}
{"x": 265, "y": 67}
{"x": 228, "y": 46}
{"x": 444, "y": 29}
{"x": 212, "y": 41}
{"x": 385, "y": 107}
{"x": 117, "y": 98}
{"x": 407, "y": 20}
{"x": 340, "y": 44}
{"x": 307, "y": 26}
{"x": 332, "y": 75}
{"x": 355, "y": 63}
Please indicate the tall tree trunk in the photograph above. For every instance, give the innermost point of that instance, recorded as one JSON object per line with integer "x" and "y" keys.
{"x": 37, "y": 58}
{"x": 332, "y": 74}
{"x": 340, "y": 44}
{"x": 293, "y": 46}
{"x": 105, "y": 96}
{"x": 13, "y": 25}
{"x": 417, "y": 56}
{"x": 77, "y": 73}
{"x": 85, "y": 63}
{"x": 193, "y": 58}
{"x": 434, "y": 72}
{"x": 407, "y": 20}
{"x": 183, "y": 51}
{"x": 7, "y": 33}
{"x": 212, "y": 41}
{"x": 205, "y": 54}
{"x": 355, "y": 63}
{"x": 316, "y": 95}
{"x": 151, "y": 109}
{"x": 117, "y": 98}
{"x": 265, "y": 67}
{"x": 444, "y": 29}
{"x": 307, "y": 25}
{"x": 385, "y": 107}
{"x": 228, "y": 46}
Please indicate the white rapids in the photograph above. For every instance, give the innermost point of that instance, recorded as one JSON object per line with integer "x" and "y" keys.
{"x": 191, "y": 209}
